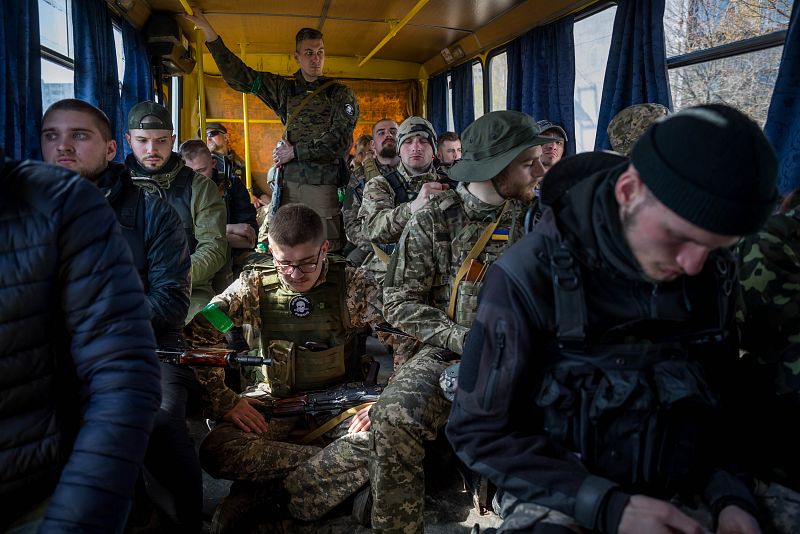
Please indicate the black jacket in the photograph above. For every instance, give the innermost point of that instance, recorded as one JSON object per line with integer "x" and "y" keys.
{"x": 79, "y": 381}
{"x": 496, "y": 426}
{"x": 158, "y": 242}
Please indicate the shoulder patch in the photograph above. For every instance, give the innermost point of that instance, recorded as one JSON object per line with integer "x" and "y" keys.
{"x": 348, "y": 109}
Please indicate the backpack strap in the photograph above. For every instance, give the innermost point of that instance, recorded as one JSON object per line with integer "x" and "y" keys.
{"x": 568, "y": 296}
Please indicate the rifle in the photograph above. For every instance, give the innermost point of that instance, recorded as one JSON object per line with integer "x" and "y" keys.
{"x": 210, "y": 357}
{"x": 277, "y": 189}
{"x": 327, "y": 402}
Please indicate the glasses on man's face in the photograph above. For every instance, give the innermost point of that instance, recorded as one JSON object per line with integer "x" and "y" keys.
{"x": 305, "y": 268}
{"x": 213, "y": 133}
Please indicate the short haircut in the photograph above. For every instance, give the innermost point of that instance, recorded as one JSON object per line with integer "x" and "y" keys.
{"x": 306, "y": 34}
{"x": 73, "y": 104}
{"x": 295, "y": 224}
{"x": 446, "y": 136}
{"x": 363, "y": 141}
{"x": 192, "y": 148}
{"x": 385, "y": 119}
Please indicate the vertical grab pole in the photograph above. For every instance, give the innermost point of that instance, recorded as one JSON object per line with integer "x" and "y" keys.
{"x": 246, "y": 117}
{"x": 201, "y": 83}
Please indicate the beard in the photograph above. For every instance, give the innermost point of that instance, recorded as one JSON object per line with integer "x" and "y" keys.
{"x": 388, "y": 151}
{"x": 509, "y": 188}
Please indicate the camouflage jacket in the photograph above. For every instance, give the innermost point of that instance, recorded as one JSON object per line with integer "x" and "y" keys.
{"x": 381, "y": 218}
{"x": 320, "y": 131}
{"x": 241, "y": 303}
{"x": 433, "y": 246}
{"x": 352, "y": 204}
{"x": 769, "y": 315}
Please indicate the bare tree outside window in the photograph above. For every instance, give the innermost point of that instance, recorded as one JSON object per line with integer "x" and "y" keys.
{"x": 746, "y": 80}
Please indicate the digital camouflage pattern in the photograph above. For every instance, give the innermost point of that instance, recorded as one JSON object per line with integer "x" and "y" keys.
{"x": 412, "y": 408}
{"x": 769, "y": 317}
{"x": 628, "y": 125}
{"x": 353, "y": 226}
{"x": 241, "y": 303}
{"x": 410, "y": 411}
{"x": 435, "y": 243}
{"x": 320, "y": 131}
{"x": 328, "y": 478}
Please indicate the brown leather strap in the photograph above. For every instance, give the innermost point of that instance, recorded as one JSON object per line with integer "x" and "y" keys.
{"x": 331, "y": 423}
{"x": 304, "y": 103}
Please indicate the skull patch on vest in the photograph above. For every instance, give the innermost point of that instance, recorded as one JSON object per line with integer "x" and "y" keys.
{"x": 300, "y": 306}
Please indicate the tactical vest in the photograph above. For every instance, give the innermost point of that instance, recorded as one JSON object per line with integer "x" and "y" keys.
{"x": 179, "y": 195}
{"x": 307, "y": 334}
{"x": 129, "y": 207}
{"x": 455, "y": 236}
{"x": 637, "y": 413}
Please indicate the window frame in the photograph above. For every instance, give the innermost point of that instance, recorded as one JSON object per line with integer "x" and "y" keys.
{"x": 487, "y": 79}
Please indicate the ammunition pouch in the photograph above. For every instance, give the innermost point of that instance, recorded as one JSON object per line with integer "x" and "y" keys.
{"x": 639, "y": 415}
{"x": 296, "y": 368}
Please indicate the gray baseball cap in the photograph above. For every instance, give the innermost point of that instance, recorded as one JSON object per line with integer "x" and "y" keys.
{"x": 145, "y": 109}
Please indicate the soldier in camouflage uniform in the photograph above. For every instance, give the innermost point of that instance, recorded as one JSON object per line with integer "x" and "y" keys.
{"x": 384, "y": 146}
{"x": 769, "y": 322}
{"x": 628, "y": 125}
{"x": 306, "y": 304}
{"x": 319, "y": 115}
{"x": 431, "y": 291}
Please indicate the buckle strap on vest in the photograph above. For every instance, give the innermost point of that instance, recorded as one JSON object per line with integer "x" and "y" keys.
{"x": 570, "y": 302}
{"x": 476, "y": 249}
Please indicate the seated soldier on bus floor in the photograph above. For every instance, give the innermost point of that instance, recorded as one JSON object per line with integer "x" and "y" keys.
{"x": 603, "y": 355}
{"x": 430, "y": 291}
{"x": 306, "y": 304}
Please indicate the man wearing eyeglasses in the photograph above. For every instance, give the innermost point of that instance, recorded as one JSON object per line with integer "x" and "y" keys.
{"x": 306, "y": 304}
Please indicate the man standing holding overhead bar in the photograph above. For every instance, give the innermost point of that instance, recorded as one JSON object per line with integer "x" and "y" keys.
{"x": 319, "y": 116}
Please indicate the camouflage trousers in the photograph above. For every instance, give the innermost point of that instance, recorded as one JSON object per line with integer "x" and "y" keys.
{"x": 410, "y": 411}
{"x": 229, "y": 452}
{"x": 329, "y": 477}
{"x": 780, "y": 511}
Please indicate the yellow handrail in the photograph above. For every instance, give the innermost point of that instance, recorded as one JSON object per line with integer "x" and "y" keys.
{"x": 393, "y": 31}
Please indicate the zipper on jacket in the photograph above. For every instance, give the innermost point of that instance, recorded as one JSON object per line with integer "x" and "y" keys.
{"x": 499, "y": 347}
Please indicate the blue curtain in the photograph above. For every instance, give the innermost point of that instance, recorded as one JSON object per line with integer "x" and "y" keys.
{"x": 137, "y": 85}
{"x": 437, "y": 102}
{"x": 783, "y": 119}
{"x": 21, "y": 85}
{"x": 463, "y": 105}
{"x": 96, "y": 79}
{"x": 541, "y": 76}
{"x": 637, "y": 65}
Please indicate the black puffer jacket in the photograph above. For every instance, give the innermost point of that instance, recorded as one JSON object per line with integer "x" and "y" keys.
{"x": 79, "y": 381}
{"x": 160, "y": 251}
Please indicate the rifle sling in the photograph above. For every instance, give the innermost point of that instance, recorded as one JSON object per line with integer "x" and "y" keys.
{"x": 331, "y": 423}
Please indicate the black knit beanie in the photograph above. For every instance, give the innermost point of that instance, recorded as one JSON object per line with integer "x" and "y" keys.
{"x": 713, "y": 166}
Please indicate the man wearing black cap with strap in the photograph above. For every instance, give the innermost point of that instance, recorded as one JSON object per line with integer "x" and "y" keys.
{"x": 600, "y": 359}
{"x": 553, "y": 151}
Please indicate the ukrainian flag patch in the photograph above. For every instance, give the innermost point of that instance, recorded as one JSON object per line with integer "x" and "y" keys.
{"x": 500, "y": 234}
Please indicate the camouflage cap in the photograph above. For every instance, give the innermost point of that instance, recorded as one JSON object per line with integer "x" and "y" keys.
{"x": 547, "y": 125}
{"x": 416, "y": 126}
{"x": 145, "y": 109}
{"x": 628, "y": 125}
{"x": 492, "y": 142}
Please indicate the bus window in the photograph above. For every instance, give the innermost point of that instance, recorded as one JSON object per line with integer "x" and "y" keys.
{"x": 498, "y": 76}
{"x": 592, "y": 36}
{"x": 450, "y": 121}
{"x": 477, "y": 88}
{"x": 55, "y": 29}
{"x": 120, "y": 49}
{"x": 725, "y": 52}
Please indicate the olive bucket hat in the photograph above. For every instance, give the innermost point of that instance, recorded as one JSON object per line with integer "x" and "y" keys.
{"x": 492, "y": 142}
